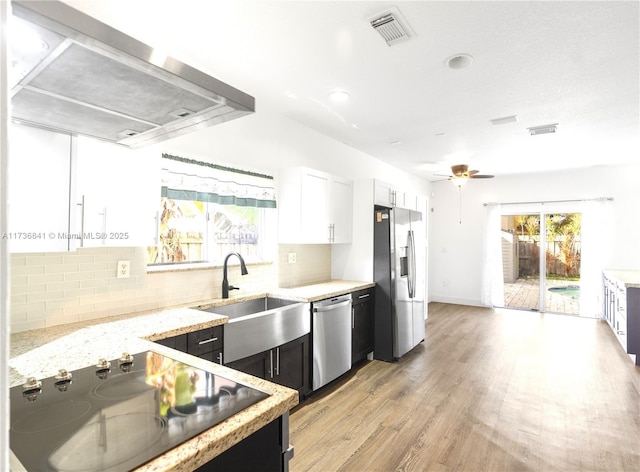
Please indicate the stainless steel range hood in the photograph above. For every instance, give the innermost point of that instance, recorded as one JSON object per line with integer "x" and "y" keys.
{"x": 84, "y": 77}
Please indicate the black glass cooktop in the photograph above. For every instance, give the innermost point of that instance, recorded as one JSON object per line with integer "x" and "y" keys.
{"x": 117, "y": 415}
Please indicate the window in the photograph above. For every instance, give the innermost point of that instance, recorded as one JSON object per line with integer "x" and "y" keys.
{"x": 208, "y": 211}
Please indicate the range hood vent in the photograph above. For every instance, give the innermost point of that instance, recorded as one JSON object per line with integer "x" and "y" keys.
{"x": 391, "y": 26}
{"x": 89, "y": 79}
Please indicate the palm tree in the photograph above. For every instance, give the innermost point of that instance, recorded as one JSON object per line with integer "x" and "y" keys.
{"x": 518, "y": 222}
{"x": 532, "y": 226}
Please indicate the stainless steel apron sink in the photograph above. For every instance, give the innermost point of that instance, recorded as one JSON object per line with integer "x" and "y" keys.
{"x": 261, "y": 324}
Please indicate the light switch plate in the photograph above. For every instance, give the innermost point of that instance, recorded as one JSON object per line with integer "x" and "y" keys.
{"x": 123, "y": 269}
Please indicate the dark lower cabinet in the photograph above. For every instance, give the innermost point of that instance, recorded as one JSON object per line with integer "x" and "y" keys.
{"x": 179, "y": 343}
{"x": 288, "y": 365}
{"x": 266, "y": 450}
{"x": 633, "y": 322}
{"x": 205, "y": 343}
{"x": 362, "y": 324}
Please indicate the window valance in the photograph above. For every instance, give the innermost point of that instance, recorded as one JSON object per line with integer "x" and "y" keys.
{"x": 188, "y": 179}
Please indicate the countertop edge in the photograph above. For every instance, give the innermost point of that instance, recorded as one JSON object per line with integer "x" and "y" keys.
{"x": 320, "y": 291}
{"x": 630, "y": 278}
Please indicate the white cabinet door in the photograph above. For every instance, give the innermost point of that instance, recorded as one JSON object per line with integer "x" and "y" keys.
{"x": 384, "y": 194}
{"x": 410, "y": 201}
{"x": 341, "y": 212}
{"x": 120, "y": 188}
{"x": 38, "y": 190}
{"x": 314, "y": 214}
{"x": 390, "y": 196}
{"x": 314, "y": 207}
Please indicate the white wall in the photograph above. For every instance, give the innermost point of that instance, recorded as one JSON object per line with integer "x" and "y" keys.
{"x": 456, "y": 249}
{"x": 266, "y": 142}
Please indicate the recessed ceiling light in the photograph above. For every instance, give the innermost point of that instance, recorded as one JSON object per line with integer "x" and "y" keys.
{"x": 339, "y": 96}
{"x": 458, "y": 61}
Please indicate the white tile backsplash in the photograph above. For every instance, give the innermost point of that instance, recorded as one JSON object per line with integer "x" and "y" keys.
{"x": 49, "y": 289}
{"x": 313, "y": 264}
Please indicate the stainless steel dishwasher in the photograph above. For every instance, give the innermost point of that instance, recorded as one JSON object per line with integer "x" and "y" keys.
{"x": 331, "y": 329}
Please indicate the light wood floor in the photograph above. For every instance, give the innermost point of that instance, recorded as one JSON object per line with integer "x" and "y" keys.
{"x": 488, "y": 390}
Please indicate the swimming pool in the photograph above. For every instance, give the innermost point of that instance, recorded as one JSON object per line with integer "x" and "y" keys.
{"x": 570, "y": 291}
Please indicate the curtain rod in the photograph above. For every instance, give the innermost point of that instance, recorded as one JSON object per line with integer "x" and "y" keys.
{"x": 601, "y": 199}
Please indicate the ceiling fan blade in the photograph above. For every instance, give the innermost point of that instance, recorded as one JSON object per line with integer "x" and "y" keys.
{"x": 443, "y": 175}
{"x": 473, "y": 172}
{"x": 481, "y": 176}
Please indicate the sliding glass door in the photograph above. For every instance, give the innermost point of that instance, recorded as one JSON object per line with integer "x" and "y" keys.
{"x": 541, "y": 261}
{"x": 562, "y": 264}
{"x": 521, "y": 260}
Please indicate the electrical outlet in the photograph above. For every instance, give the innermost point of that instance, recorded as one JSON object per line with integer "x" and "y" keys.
{"x": 445, "y": 282}
{"x": 292, "y": 258}
{"x": 123, "y": 269}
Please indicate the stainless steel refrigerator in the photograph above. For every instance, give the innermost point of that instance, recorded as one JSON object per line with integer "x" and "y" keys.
{"x": 399, "y": 272}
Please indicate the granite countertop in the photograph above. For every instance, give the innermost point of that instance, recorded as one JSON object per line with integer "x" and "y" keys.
{"x": 84, "y": 346}
{"x": 322, "y": 290}
{"x": 630, "y": 278}
{"x": 41, "y": 353}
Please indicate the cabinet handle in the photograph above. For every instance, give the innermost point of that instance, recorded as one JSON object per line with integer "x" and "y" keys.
{"x": 277, "y": 361}
{"x": 81, "y": 204}
{"x": 157, "y": 218}
{"x": 207, "y": 341}
{"x": 104, "y": 222}
{"x": 271, "y": 363}
{"x": 366, "y": 295}
{"x": 353, "y": 318}
{"x": 220, "y": 358}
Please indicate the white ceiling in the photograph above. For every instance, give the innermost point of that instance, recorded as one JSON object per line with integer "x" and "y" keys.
{"x": 573, "y": 63}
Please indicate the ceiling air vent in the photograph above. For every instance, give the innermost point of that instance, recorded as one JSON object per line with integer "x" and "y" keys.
{"x": 544, "y": 129}
{"x": 391, "y": 26}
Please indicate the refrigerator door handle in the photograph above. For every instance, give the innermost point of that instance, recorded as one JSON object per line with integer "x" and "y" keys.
{"x": 412, "y": 265}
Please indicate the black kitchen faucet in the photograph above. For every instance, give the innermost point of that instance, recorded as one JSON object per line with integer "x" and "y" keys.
{"x": 225, "y": 283}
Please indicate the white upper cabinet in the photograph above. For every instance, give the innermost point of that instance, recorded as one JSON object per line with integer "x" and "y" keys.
{"x": 341, "y": 211}
{"x": 314, "y": 207}
{"x": 387, "y": 195}
{"x": 117, "y": 193}
{"x": 68, "y": 192}
{"x": 38, "y": 190}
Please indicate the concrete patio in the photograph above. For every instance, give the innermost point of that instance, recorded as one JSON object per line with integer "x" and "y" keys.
{"x": 525, "y": 294}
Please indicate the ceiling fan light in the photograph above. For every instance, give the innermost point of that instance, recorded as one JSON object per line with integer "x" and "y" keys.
{"x": 459, "y": 180}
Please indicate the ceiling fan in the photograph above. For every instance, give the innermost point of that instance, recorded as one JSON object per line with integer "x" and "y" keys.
{"x": 460, "y": 174}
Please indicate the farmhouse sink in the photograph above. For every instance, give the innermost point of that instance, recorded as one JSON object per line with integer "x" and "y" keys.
{"x": 257, "y": 306}
{"x": 261, "y": 324}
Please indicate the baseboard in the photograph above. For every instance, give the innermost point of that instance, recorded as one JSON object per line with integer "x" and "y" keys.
{"x": 457, "y": 301}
